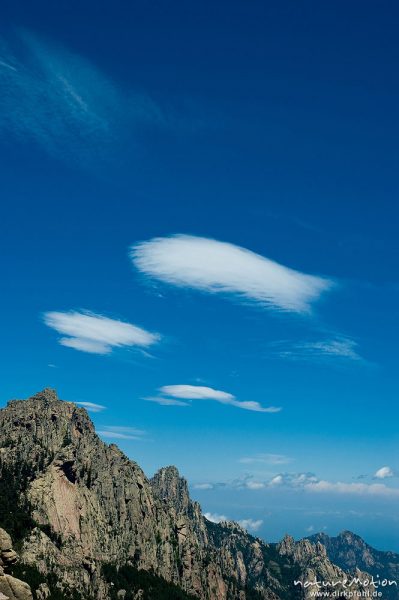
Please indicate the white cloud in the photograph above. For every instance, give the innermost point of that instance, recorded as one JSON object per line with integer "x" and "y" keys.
{"x": 97, "y": 334}
{"x": 254, "y": 485}
{"x": 200, "y": 392}
{"x": 251, "y": 524}
{"x": 213, "y": 266}
{"x": 383, "y": 473}
{"x": 92, "y": 406}
{"x": 196, "y": 392}
{"x": 65, "y": 104}
{"x": 292, "y": 480}
{"x": 121, "y": 432}
{"x": 277, "y": 480}
{"x": 269, "y": 459}
{"x": 310, "y": 483}
{"x": 215, "y": 517}
{"x": 85, "y": 345}
{"x": 247, "y": 482}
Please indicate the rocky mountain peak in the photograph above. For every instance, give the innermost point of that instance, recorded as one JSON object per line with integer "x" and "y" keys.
{"x": 171, "y": 488}
{"x": 286, "y": 545}
{"x": 30, "y": 419}
{"x": 46, "y": 395}
{"x": 350, "y": 537}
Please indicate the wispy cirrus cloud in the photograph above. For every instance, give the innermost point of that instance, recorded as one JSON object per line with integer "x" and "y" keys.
{"x": 220, "y": 267}
{"x": 117, "y": 432}
{"x": 92, "y": 406}
{"x": 64, "y": 103}
{"x": 93, "y": 333}
{"x": 182, "y": 394}
{"x": 340, "y": 348}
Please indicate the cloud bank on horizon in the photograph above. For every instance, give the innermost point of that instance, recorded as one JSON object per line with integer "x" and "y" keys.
{"x": 221, "y": 267}
{"x": 177, "y": 395}
{"x": 304, "y": 482}
{"x": 96, "y": 334}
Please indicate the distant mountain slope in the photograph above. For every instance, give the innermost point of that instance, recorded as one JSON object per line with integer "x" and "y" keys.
{"x": 90, "y": 526}
{"x": 349, "y": 551}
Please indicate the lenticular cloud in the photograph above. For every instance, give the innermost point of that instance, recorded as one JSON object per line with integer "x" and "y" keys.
{"x": 199, "y": 392}
{"x": 97, "y": 334}
{"x": 213, "y": 266}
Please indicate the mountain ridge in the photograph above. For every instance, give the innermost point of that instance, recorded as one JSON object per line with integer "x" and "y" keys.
{"x": 87, "y": 520}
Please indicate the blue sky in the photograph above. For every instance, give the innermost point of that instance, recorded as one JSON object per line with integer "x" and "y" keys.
{"x": 199, "y": 227}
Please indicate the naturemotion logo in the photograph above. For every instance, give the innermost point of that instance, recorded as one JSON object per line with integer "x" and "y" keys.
{"x": 370, "y": 587}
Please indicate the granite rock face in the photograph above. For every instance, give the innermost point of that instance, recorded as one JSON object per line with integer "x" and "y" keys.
{"x": 11, "y": 588}
{"x": 86, "y": 505}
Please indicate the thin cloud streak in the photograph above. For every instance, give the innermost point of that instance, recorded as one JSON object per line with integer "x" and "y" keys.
{"x": 220, "y": 267}
{"x": 121, "y": 432}
{"x": 338, "y": 348}
{"x": 268, "y": 459}
{"x": 92, "y": 406}
{"x": 166, "y": 401}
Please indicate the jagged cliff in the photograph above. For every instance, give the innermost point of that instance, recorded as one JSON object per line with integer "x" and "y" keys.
{"x": 90, "y": 525}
